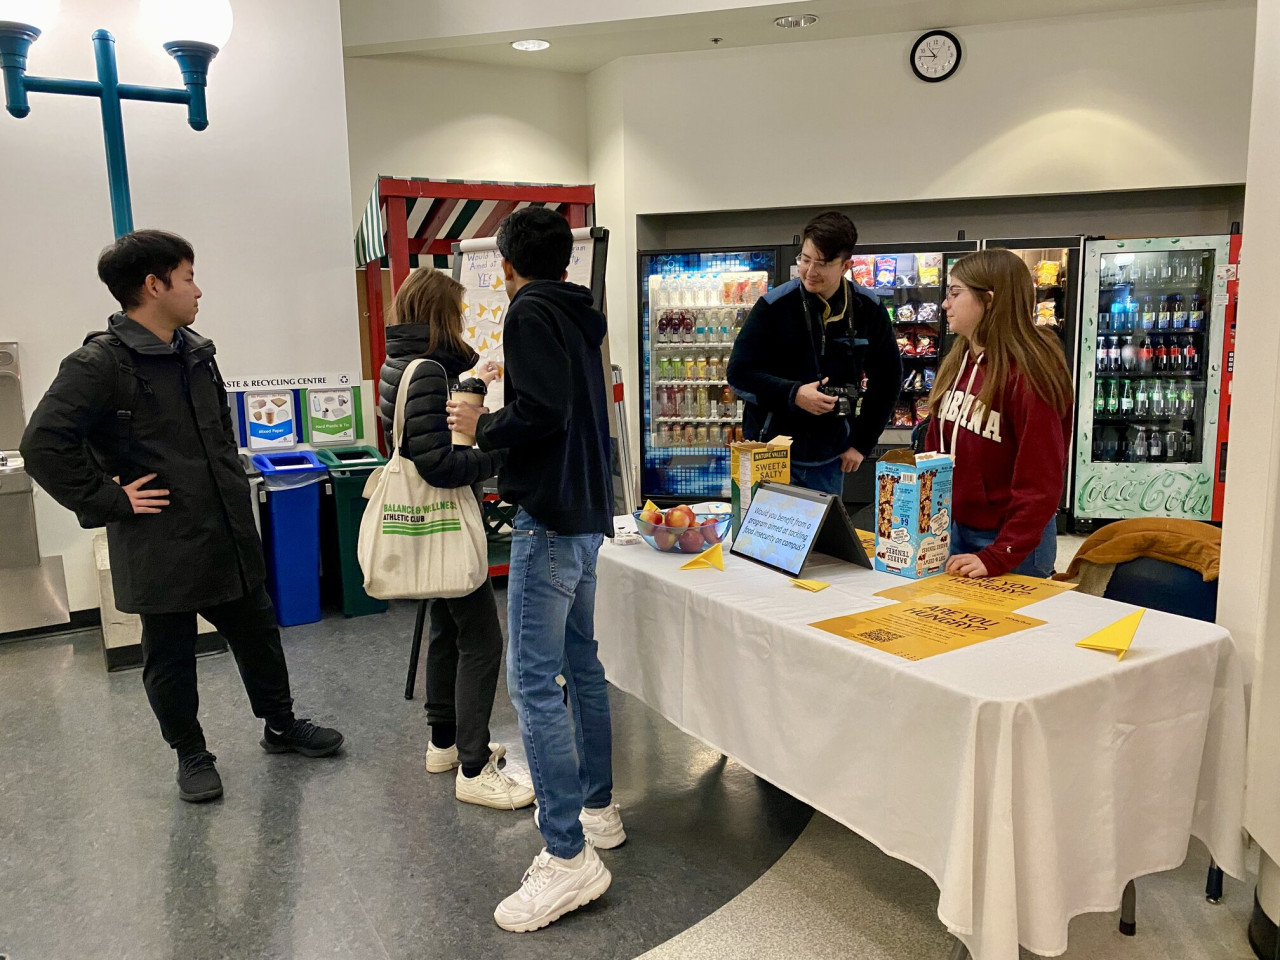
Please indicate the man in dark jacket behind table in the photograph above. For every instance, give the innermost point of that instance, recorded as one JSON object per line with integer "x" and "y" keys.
{"x": 555, "y": 428}
{"x": 818, "y": 332}
{"x": 135, "y": 433}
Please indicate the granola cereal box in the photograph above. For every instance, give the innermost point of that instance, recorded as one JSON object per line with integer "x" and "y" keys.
{"x": 913, "y": 513}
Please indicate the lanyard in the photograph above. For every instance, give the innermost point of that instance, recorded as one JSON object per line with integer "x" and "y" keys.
{"x": 822, "y": 327}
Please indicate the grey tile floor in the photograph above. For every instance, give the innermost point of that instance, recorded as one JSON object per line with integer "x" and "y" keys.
{"x": 367, "y": 856}
{"x": 363, "y": 855}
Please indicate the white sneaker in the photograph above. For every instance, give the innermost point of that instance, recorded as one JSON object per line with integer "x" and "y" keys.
{"x": 551, "y": 888}
{"x": 602, "y": 828}
{"x": 444, "y": 759}
{"x": 493, "y": 788}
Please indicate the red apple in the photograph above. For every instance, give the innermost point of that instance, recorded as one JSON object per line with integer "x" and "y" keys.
{"x": 664, "y": 539}
{"x": 681, "y": 516}
{"x": 709, "y": 530}
{"x": 652, "y": 517}
{"x": 691, "y": 540}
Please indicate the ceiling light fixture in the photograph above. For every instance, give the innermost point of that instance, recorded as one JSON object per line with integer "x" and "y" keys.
{"x": 790, "y": 23}
{"x": 530, "y": 46}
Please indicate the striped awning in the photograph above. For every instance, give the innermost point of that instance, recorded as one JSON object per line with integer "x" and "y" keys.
{"x": 434, "y": 223}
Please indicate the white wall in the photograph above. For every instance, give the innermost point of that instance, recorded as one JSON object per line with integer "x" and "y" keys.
{"x": 1250, "y": 577}
{"x": 1128, "y": 101}
{"x": 416, "y": 117}
{"x": 263, "y": 195}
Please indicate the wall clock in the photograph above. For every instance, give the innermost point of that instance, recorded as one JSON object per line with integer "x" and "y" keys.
{"x": 935, "y": 56}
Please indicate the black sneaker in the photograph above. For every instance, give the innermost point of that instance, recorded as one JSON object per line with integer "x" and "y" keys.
{"x": 302, "y": 737}
{"x": 198, "y": 778}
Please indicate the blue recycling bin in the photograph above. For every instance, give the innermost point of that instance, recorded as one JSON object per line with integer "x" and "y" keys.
{"x": 291, "y": 532}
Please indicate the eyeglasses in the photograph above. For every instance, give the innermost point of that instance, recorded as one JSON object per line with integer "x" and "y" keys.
{"x": 804, "y": 261}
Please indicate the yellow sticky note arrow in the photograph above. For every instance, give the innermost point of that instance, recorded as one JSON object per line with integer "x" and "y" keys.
{"x": 471, "y": 332}
{"x": 711, "y": 557}
{"x": 464, "y": 306}
{"x": 813, "y": 586}
{"x": 1115, "y": 638}
{"x": 497, "y": 283}
{"x": 481, "y": 311}
{"x": 650, "y": 505}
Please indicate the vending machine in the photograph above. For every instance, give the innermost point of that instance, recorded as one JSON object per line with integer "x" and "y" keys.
{"x": 1149, "y": 378}
{"x": 1228, "y": 373}
{"x": 692, "y": 305}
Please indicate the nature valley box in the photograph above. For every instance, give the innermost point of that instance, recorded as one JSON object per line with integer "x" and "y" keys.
{"x": 913, "y": 513}
{"x": 752, "y": 463}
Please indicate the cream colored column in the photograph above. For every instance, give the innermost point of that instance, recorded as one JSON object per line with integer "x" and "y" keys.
{"x": 1250, "y": 577}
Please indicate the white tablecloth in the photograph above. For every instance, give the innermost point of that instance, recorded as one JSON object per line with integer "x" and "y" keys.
{"x": 1029, "y": 778}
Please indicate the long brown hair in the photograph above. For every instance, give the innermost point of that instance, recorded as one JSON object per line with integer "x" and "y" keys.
{"x": 435, "y": 299}
{"x": 1010, "y": 340}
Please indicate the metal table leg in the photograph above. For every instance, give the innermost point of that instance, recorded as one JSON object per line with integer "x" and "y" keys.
{"x": 1128, "y": 910}
{"x": 958, "y": 950}
{"x": 1213, "y": 884}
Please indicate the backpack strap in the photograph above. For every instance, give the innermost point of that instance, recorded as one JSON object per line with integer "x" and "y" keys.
{"x": 129, "y": 383}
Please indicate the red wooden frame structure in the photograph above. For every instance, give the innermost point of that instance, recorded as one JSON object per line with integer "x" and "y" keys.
{"x": 456, "y": 211}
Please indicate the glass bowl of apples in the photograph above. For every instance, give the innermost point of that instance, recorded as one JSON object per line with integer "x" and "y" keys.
{"x": 680, "y": 530}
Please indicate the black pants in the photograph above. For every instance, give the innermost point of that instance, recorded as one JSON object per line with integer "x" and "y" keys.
{"x": 464, "y": 650}
{"x": 169, "y": 665}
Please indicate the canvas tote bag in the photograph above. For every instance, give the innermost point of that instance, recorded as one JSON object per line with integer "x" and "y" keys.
{"x": 418, "y": 541}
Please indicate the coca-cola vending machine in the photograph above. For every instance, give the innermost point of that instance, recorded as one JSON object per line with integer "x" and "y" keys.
{"x": 1228, "y": 372}
{"x": 1150, "y": 378}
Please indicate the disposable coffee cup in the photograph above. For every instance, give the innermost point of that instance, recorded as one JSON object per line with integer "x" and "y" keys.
{"x": 472, "y": 392}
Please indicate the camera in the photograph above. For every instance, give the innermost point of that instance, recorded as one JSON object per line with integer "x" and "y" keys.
{"x": 845, "y": 396}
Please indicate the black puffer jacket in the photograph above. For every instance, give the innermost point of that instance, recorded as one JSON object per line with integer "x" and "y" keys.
{"x": 203, "y": 548}
{"x": 427, "y": 440}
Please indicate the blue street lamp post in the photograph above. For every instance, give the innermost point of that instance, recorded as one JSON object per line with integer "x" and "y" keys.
{"x": 193, "y": 60}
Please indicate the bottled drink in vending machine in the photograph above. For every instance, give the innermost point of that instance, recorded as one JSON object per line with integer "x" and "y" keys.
{"x": 1195, "y": 315}
{"x": 1186, "y": 444}
{"x": 1179, "y": 312}
{"x": 1172, "y": 450}
{"x": 1166, "y": 271}
{"x": 1170, "y": 398}
{"x": 1142, "y": 400}
{"x": 1128, "y": 354}
{"x": 1113, "y": 398}
{"x": 1186, "y": 400}
{"x": 1100, "y": 398}
{"x": 1104, "y": 355}
{"x": 1126, "y": 399}
{"x": 1116, "y": 320}
{"x": 1156, "y": 393}
{"x": 1190, "y": 357}
{"x": 1155, "y": 448}
{"x": 1164, "y": 313}
{"x": 1146, "y": 356}
{"x": 1161, "y": 355}
{"x": 1139, "y": 450}
{"x": 1148, "y": 313}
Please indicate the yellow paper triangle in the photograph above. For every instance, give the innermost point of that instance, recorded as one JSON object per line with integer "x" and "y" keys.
{"x": 1115, "y": 638}
{"x": 481, "y": 310}
{"x": 650, "y": 505}
{"x": 471, "y": 332}
{"x": 711, "y": 557}
{"x": 813, "y": 586}
{"x": 464, "y": 306}
{"x": 497, "y": 283}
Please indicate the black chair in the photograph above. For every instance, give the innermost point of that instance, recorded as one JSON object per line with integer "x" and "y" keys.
{"x": 1160, "y": 585}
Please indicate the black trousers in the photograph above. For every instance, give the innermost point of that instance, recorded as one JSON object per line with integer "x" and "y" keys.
{"x": 464, "y": 650}
{"x": 169, "y": 665}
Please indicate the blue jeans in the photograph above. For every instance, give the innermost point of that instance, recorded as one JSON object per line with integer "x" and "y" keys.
{"x": 1039, "y": 562}
{"x": 551, "y": 602}
{"x": 825, "y": 478}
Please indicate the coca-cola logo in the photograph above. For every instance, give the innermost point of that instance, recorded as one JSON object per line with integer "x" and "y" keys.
{"x": 1170, "y": 493}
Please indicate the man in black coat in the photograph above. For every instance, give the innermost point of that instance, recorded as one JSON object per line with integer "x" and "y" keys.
{"x": 802, "y": 344}
{"x": 135, "y": 433}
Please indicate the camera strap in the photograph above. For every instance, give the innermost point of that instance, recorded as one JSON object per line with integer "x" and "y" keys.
{"x": 821, "y": 348}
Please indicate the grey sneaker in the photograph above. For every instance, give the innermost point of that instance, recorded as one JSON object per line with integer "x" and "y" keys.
{"x": 198, "y": 778}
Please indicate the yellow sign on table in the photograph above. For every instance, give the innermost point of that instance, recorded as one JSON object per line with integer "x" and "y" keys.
{"x": 868, "y": 541}
{"x": 996, "y": 593}
{"x": 1115, "y": 638}
{"x": 711, "y": 557}
{"x": 915, "y": 631}
{"x": 650, "y": 505}
{"x": 813, "y": 586}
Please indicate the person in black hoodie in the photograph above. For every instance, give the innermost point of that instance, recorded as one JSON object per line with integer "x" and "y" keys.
{"x": 555, "y": 428}
{"x": 135, "y": 433}
{"x": 464, "y": 647}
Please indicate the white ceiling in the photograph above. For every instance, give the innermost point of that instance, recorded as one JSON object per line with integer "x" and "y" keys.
{"x": 392, "y": 27}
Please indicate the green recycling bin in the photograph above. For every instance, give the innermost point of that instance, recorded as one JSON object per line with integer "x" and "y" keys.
{"x": 341, "y": 579}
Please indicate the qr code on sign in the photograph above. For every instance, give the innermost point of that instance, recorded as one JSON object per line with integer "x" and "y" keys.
{"x": 881, "y": 636}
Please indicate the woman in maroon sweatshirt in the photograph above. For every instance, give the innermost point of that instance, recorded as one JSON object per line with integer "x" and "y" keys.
{"x": 1001, "y": 405}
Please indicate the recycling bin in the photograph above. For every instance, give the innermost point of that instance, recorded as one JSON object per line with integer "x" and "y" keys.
{"x": 255, "y": 483}
{"x": 292, "y": 481}
{"x": 341, "y": 579}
